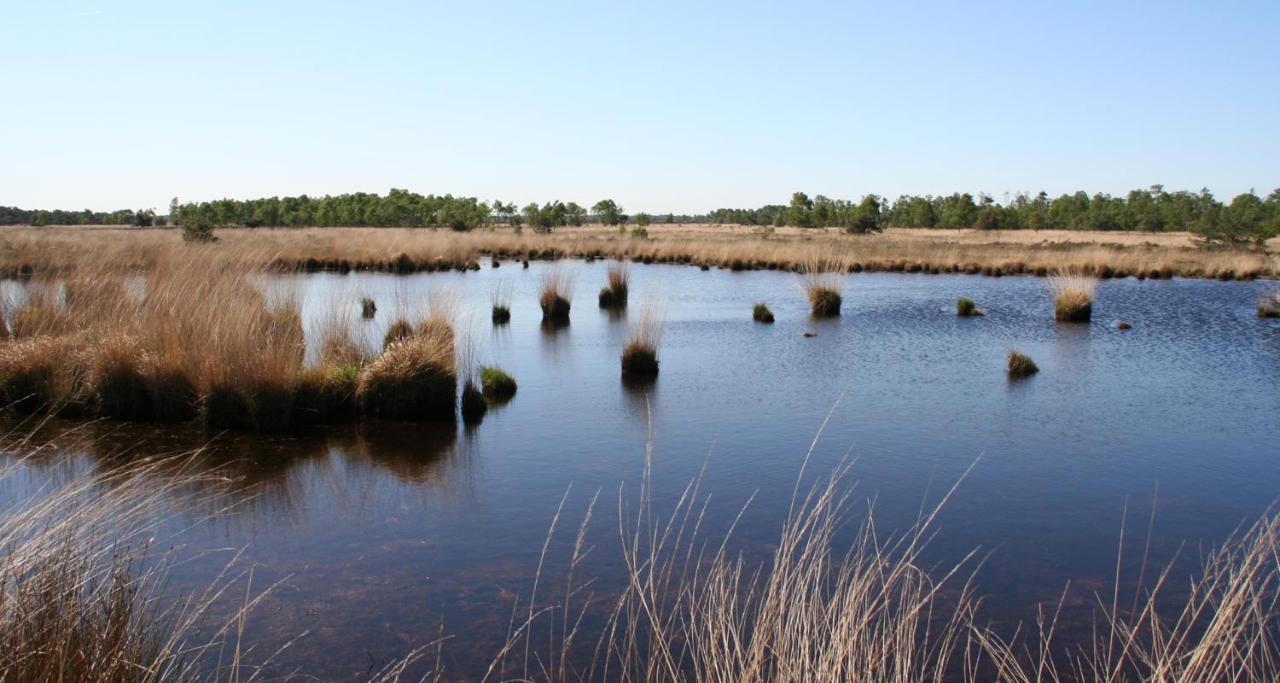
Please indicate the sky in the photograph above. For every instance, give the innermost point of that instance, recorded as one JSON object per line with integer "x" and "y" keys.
{"x": 664, "y": 106}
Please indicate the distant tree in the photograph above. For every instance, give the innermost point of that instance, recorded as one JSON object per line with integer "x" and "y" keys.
{"x": 671, "y": 219}
{"x": 144, "y": 218}
{"x": 800, "y": 211}
{"x": 867, "y": 216}
{"x": 608, "y": 212}
{"x": 574, "y": 215}
{"x": 643, "y": 220}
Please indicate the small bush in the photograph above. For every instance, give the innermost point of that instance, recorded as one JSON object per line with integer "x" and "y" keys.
{"x": 761, "y": 314}
{"x": 1020, "y": 365}
{"x": 966, "y": 308}
{"x": 197, "y": 230}
{"x": 497, "y": 384}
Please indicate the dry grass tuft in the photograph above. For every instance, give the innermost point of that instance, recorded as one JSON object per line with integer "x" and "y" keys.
{"x": 640, "y": 354}
{"x": 615, "y": 295}
{"x": 413, "y": 379}
{"x": 823, "y": 284}
{"x": 500, "y": 302}
{"x": 83, "y": 588}
{"x": 554, "y": 294}
{"x": 1020, "y": 365}
{"x": 1072, "y": 296}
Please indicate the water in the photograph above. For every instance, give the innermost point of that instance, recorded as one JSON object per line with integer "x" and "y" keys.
{"x": 386, "y": 534}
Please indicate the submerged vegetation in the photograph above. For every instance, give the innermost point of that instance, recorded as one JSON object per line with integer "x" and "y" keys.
{"x": 1020, "y": 365}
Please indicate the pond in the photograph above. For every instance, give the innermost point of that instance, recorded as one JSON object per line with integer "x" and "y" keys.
{"x": 387, "y": 535}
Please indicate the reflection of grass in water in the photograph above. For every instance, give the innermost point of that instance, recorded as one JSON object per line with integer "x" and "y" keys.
{"x": 816, "y": 608}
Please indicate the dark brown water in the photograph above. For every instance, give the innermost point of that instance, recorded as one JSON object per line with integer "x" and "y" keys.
{"x": 386, "y": 532}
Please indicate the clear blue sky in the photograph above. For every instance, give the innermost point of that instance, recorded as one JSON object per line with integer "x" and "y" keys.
{"x": 665, "y": 106}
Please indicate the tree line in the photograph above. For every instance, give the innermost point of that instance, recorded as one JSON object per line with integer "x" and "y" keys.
{"x": 1247, "y": 218}
{"x": 12, "y": 215}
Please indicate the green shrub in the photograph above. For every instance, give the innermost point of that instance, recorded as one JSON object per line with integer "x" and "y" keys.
{"x": 761, "y": 314}
{"x": 966, "y": 308}
{"x": 497, "y": 384}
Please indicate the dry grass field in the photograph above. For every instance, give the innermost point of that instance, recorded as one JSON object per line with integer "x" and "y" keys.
{"x": 52, "y": 249}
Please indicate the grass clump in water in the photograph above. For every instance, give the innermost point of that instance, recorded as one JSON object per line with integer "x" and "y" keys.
{"x": 497, "y": 384}
{"x": 823, "y": 284}
{"x": 640, "y": 355}
{"x": 1020, "y": 365}
{"x": 761, "y": 313}
{"x": 1072, "y": 297}
{"x": 614, "y": 296}
{"x": 368, "y": 308}
{"x": 414, "y": 379}
{"x": 500, "y": 300}
{"x": 966, "y": 308}
{"x": 1269, "y": 305}
{"x": 553, "y": 297}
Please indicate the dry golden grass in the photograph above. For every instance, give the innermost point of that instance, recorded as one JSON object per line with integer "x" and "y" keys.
{"x": 640, "y": 353}
{"x": 1072, "y": 296}
{"x": 873, "y": 611}
{"x": 823, "y": 285}
{"x": 554, "y": 293}
{"x": 193, "y": 331}
{"x": 82, "y": 584}
{"x": 913, "y": 250}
